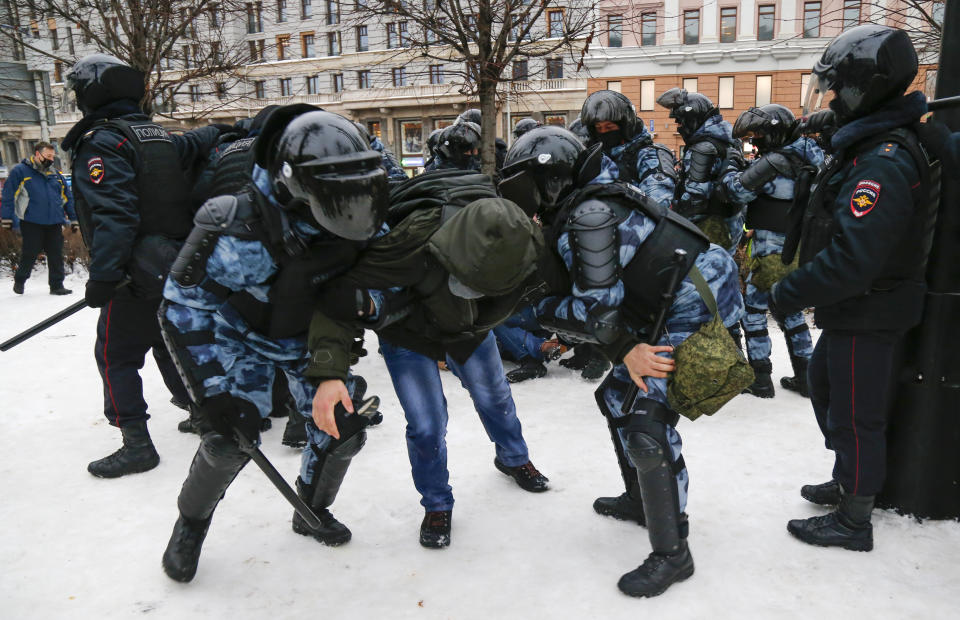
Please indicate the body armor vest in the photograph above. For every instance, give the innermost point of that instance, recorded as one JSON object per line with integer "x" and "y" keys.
{"x": 233, "y": 169}
{"x": 627, "y": 162}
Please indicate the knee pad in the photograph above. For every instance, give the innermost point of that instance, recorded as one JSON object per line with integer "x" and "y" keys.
{"x": 647, "y": 453}
{"x": 220, "y": 452}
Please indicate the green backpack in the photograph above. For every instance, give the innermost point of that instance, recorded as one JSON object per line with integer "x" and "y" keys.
{"x": 710, "y": 368}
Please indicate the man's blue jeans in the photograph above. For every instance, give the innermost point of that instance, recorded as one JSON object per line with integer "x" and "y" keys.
{"x": 416, "y": 380}
{"x": 518, "y": 337}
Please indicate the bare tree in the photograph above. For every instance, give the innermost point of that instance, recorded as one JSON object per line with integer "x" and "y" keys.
{"x": 175, "y": 43}
{"x": 482, "y": 38}
{"x": 923, "y": 19}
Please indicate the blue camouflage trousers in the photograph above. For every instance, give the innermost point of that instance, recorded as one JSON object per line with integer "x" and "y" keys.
{"x": 794, "y": 327}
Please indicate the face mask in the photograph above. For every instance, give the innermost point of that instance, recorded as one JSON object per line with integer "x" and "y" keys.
{"x": 611, "y": 139}
{"x": 45, "y": 163}
{"x": 472, "y": 163}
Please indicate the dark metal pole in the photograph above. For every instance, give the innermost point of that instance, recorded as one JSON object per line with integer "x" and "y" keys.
{"x": 923, "y": 437}
{"x": 42, "y": 325}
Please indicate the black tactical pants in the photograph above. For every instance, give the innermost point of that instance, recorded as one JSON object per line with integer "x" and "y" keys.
{"x": 851, "y": 387}
{"x": 127, "y": 329}
{"x": 47, "y": 238}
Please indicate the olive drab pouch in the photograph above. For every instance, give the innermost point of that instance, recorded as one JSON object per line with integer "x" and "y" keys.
{"x": 710, "y": 368}
{"x": 768, "y": 270}
{"x": 716, "y": 230}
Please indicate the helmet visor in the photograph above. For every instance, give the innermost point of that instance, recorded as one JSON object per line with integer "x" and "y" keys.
{"x": 351, "y": 206}
{"x": 813, "y": 98}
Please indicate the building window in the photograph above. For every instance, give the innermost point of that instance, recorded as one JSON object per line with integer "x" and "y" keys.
{"x": 336, "y": 82}
{"x": 851, "y": 13}
{"x": 691, "y": 27}
{"x": 391, "y": 36}
{"x": 187, "y": 62}
{"x": 70, "y": 41}
{"x": 399, "y": 77}
{"x": 283, "y": 42}
{"x": 166, "y": 63}
{"x": 306, "y": 9}
{"x": 520, "y": 72}
{"x": 554, "y": 24}
{"x": 333, "y": 44}
{"x": 215, "y": 54}
{"x": 363, "y": 42}
{"x": 728, "y": 24}
{"x": 286, "y": 87}
{"x": 312, "y": 83}
{"x": 215, "y": 19}
{"x": 554, "y": 68}
{"x": 929, "y": 81}
{"x": 411, "y": 138}
{"x": 725, "y": 100}
{"x": 648, "y": 29}
{"x": 647, "y": 95}
{"x": 221, "y": 90}
{"x": 615, "y": 30}
{"x": 765, "y": 21}
{"x": 404, "y": 37}
{"x": 764, "y": 89}
{"x": 615, "y": 85}
{"x": 690, "y": 85}
{"x": 256, "y": 50}
{"x": 260, "y": 89}
{"x": 306, "y": 42}
{"x": 281, "y": 11}
{"x": 804, "y": 83}
{"x": 436, "y": 74}
{"x": 194, "y": 93}
{"x": 57, "y": 71}
{"x": 254, "y": 17}
{"x": 54, "y": 39}
{"x": 811, "y": 20}
{"x": 560, "y": 120}
{"x": 333, "y": 12}
{"x": 363, "y": 79}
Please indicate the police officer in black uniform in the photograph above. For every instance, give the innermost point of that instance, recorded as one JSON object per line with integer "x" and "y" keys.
{"x": 866, "y": 241}
{"x": 133, "y": 205}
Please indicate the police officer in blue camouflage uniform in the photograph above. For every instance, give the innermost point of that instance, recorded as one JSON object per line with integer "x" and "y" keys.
{"x": 711, "y": 150}
{"x": 611, "y": 119}
{"x": 867, "y": 233}
{"x": 132, "y": 201}
{"x": 603, "y": 233}
{"x": 768, "y": 187}
{"x": 239, "y": 301}
{"x": 388, "y": 159}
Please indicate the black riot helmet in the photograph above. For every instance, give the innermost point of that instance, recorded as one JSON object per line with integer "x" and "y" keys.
{"x": 768, "y": 127}
{"x": 577, "y": 128}
{"x": 432, "y": 140}
{"x": 865, "y": 67}
{"x": 470, "y": 116}
{"x": 363, "y": 131}
{"x": 543, "y": 166}
{"x": 610, "y": 106}
{"x": 523, "y": 126}
{"x": 99, "y": 79}
{"x": 457, "y": 142}
{"x": 319, "y": 159}
{"x": 690, "y": 110}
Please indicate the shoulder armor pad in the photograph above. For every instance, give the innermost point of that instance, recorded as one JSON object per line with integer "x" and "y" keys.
{"x": 591, "y": 215}
{"x": 704, "y": 147}
{"x": 703, "y": 155}
{"x": 217, "y": 214}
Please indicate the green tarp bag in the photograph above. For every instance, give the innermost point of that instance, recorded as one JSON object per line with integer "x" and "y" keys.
{"x": 711, "y": 370}
{"x": 768, "y": 270}
{"x": 716, "y": 230}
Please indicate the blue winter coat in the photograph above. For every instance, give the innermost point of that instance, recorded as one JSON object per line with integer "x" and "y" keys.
{"x": 36, "y": 196}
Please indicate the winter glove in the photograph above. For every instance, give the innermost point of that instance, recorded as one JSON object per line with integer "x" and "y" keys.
{"x": 228, "y": 415}
{"x": 349, "y": 424}
{"x": 822, "y": 122}
{"x": 342, "y": 302}
{"x": 98, "y": 293}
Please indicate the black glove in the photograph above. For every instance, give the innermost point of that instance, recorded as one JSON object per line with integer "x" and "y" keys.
{"x": 99, "y": 293}
{"x": 343, "y": 302}
{"x": 349, "y": 424}
{"x": 228, "y": 415}
{"x": 822, "y": 122}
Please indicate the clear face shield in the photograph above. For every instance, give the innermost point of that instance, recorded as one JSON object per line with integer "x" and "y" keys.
{"x": 813, "y": 99}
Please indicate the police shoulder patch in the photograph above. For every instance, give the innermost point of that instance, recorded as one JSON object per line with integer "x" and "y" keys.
{"x": 864, "y": 198}
{"x": 95, "y": 168}
{"x": 888, "y": 149}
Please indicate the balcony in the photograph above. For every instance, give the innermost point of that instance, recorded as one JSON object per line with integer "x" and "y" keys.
{"x": 541, "y": 86}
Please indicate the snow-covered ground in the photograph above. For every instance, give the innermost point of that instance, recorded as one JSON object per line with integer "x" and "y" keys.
{"x": 74, "y": 546}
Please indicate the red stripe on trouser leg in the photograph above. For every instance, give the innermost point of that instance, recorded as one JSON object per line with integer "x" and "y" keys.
{"x": 106, "y": 364}
{"x": 853, "y": 410}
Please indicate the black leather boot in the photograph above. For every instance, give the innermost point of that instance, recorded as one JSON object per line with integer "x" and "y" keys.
{"x": 529, "y": 369}
{"x": 798, "y": 382}
{"x": 322, "y": 491}
{"x": 136, "y": 455}
{"x": 824, "y": 494}
{"x": 628, "y": 506}
{"x": 215, "y": 465}
{"x": 848, "y": 526}
{"x": 762, "y": 386}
